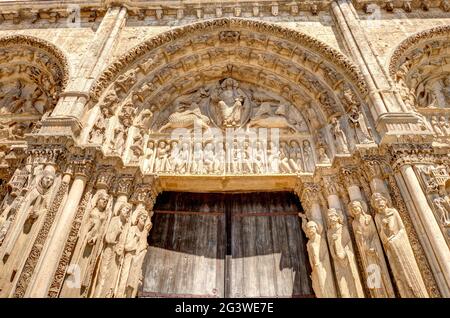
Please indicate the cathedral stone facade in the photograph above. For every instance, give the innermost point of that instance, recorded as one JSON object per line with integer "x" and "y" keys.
{"x": 107, "y": 105}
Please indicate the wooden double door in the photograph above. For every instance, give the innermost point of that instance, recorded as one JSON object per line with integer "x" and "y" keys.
{"x": 226, "y": 245}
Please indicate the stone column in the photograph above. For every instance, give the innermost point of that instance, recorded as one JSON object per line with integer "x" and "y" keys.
{"x": 67, "y": 113}
{"x": 440, "y": 249}
{"x": 388, "y": 107}
{"x": 49, "y": 261}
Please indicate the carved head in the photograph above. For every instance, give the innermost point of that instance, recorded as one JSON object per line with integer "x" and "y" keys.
{"x": 47, "y": 179}
{"x": 162, "y": 144}
{"x": 125, "y": 210}
{"x": 294, "y": 144}
{"x": 102, "y": 201}
{"x": 141, "y": 218}
{"x": 311, "y": 229}
{"x": 306, "y": 144}
{"x": 334, "y": 217}
{"x": 379, "y": 201}
{"x": 150, "y": 144}
{"x": 356, "y": 208}
{"x": 229, "y": 83}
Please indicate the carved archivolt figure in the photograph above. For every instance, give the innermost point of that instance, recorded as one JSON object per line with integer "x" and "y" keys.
{"x": 322, "y": 272}
{"x": 134, "y": 253}
{"x": 358, "y": 123}
{"x": 12, "y": 101}
{"x": 398, "y": 249}
{"x": 340, "y": 139}
{"x": 371, "y": 252}
{"x": 120, "y": 136}
{"x": 136, "y": 148}
{"x": 97, "y": 134}
{"x": 346, "y": 270}
{"x": 112, "y": 255}
{"x": 426, "y": 96}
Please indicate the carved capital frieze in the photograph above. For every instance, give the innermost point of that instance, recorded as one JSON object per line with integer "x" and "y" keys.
{"x": 311, "y": 194}
{"x": 105, "y": 178}
{"x": 123, "y": 185}
{"x": 349, "y": 176}
{"x": 331, "y": 185}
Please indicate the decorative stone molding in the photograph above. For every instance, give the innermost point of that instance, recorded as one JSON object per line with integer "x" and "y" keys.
{"x": 412, "y": 41}
{"x": 27, "y": 41}
{"x": 35, "y": 253}
{"x": 69, "y": 247}
{"x": 418, "y": 249}
{"x": 139, "y": 51}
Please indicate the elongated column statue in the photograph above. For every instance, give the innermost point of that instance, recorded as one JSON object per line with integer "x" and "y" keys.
{"x": 113, "y": 251}
{"x": 341, "y": 249}
{"x": 138, "y": 240}
{"x": 322, "y": 273}
{"x": 371, "y": 251}
{"x": 398, "y": 249}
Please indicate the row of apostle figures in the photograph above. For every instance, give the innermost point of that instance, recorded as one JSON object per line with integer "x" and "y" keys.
{"x": 333, "y": 257}
{"x": 110, "y": 251}
{"x": 237, "y": 157}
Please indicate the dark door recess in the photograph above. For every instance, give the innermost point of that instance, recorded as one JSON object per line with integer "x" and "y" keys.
{"x": 227, "y": 245}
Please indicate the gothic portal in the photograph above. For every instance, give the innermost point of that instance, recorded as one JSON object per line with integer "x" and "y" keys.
{"x": 158, "y": 149}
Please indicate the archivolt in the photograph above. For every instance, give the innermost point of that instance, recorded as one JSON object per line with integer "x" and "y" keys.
{"x": 301, "y": 69}
{"x": 413, "y": 46}
{"x": 21, "y": 42}
{"x": 420, "y": 66}
{"x": 137, "y": 54}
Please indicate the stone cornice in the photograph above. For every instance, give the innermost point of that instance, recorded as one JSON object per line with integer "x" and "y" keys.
{"x": 406, "y": 5}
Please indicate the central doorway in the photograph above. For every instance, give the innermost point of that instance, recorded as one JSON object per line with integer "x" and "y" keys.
{"x": 227, "y": 245}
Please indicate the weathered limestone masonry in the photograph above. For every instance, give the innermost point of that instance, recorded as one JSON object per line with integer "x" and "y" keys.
{"x": 91, "y": 91}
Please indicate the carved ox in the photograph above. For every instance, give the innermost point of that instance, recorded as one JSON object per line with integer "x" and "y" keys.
{"x": 272, "y": 122}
